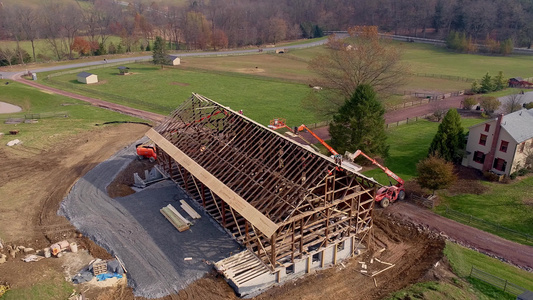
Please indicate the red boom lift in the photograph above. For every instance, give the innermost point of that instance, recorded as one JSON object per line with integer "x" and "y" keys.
{"x": 387, "y": 193}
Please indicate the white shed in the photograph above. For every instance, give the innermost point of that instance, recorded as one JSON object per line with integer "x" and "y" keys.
{"x": 174, "y": 60}
{"x": 87, "y": 78}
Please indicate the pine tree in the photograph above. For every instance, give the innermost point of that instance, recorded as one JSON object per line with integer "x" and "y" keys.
{"x": 486, "y": 84}
{"x": 449, "y": 141}
{"x": 360, "y": 125}
{"x": 160, "y": 52}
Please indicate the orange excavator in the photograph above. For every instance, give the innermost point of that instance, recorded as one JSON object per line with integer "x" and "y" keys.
{"x": 387, "y": 193}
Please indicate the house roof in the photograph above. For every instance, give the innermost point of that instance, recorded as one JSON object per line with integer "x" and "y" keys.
{"x": 173, "y": 56}
{"x": 123, "y": 68}
{"x": 85, "y": 74}
{"x": 519, "y": 125}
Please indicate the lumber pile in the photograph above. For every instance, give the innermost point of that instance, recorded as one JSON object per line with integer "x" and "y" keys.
{"x": 189, "y": 210}
{"x": 175, "y": 218}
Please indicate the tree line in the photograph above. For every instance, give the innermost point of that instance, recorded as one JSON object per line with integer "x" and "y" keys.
{"x": 202, "y": 24}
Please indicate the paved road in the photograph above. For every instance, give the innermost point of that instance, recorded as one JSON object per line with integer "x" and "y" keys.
{"x": 517, "y": 254}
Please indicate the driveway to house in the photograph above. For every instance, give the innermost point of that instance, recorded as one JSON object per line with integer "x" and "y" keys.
{"x": 484, "y": 242}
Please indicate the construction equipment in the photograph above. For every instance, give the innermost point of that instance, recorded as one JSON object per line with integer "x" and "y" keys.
{"x": 330, "y": 149}
{"x": 387, "y": 193}
{"x": 146, "y": 151}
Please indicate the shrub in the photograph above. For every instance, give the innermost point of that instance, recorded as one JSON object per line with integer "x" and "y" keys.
{"x": 513, "y": 175}
{"x": 522, "y": 172}
{"x": 529, "y": 105}
{"x": 469, "y": 102}
{"x": 490, "y": 176}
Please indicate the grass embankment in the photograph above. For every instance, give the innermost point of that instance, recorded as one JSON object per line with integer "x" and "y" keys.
{"x": 42, "y": 135}
{"x": 462, "y": 259}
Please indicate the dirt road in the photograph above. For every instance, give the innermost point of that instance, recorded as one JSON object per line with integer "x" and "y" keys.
{"x": 394, "y": 116}
{"x": 514, "y": 253}
{"x": 97, "y": 102}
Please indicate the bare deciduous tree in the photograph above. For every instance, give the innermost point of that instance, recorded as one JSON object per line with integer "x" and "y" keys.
{"x": 512, "y": 103}
{"x": 364, "y": 58}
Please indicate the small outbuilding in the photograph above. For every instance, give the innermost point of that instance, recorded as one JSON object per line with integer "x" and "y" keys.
{"x": 123, "y": 70}
{"x": 87, "y": 78}
{"x": 174, "y": 60}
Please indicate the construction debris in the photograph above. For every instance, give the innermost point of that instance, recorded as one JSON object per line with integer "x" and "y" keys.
{"x": 13, "y": 142}
{"x": 101, "y": 269}
{"x": 32, "y": 257}
{"x": 2, "y": 258}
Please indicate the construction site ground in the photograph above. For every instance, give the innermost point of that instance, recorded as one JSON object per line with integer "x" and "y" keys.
{"x": 36, "y": 187}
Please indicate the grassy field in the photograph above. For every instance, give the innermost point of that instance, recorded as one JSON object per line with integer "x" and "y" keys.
{"x": 509, "y": 205}
{"x": 43, "y": 134}
{"x": 409, "y": 144}
{"x": 162, "y": 90}
{"x": 462, "y": 260}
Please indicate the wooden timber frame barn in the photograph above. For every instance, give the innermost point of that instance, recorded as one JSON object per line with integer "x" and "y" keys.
{"x": 278, "y": 199}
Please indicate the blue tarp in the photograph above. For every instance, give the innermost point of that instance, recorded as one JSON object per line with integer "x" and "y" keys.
{"x": 105, "y": 276}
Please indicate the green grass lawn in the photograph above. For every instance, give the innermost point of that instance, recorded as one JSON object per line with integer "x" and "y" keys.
{"x": 503, "y": 204}
{"x": 162, "y": 90}
{"x": 462, "y": 260}
{"x": 81, "y": 116}
{"x": 409, "y": 144}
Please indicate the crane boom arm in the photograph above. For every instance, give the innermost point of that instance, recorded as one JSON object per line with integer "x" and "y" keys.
{"x": 330, "y": 149}
{"x": 385, "y": 169}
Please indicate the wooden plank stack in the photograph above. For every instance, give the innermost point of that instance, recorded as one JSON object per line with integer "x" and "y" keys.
{"x": 187, "y": 208}
{"x": 175, "y": 218}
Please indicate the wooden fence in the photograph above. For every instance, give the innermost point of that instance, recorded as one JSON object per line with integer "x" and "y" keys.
{"x": 499, "y": 230}
{"x": 421, "y": 201}
{"x": 496, "y": 281}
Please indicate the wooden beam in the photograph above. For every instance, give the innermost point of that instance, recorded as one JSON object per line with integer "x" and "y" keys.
{"x": 255, "y": 217}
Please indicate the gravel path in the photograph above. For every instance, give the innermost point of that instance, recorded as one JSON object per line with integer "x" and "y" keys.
{"x": 517, "y": 254}
{"x": 132, "y": 228}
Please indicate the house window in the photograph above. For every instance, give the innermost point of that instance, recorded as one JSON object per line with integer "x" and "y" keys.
{"x": 487, "y": 127}
{"x": 483, "y": 140}
{"x": 503, "y": 146}
{"x": 479, "y": 157}
{"x": 499, "y": 164}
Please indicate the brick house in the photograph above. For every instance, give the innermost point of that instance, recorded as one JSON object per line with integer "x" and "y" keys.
{"x": 500, "y": 145}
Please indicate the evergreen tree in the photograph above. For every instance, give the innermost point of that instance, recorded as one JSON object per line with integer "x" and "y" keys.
{"x": 486, "y": 84}
{"x": 499, "y": 82}
{"x": 359, "y": 124}
{"x": 449, "y": 141}
{"x": 160, "y": 56}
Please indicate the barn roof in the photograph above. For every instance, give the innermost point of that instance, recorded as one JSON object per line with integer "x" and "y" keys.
{"x": 266, "y": 177}
{"x": 85, "y": 74}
